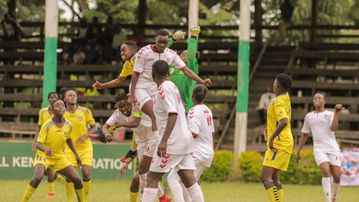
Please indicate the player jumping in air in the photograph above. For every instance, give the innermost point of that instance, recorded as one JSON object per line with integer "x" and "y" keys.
{"x": 323, "y": 123}
{"x": 279, "y": 138}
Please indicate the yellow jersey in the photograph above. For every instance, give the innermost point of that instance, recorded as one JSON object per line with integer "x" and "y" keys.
{"x": 280, "y": 108}
{"x": 44, "y": 115}
{"x": 127, "y": 67}
{"x": 80, "y": 121}
{"x": 54, "y": 137}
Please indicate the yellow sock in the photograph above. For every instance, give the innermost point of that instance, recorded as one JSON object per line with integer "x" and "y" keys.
{"x": 60, "y": 180}
{"x": 28, "y": 193}
{"x": 272, "y": 193}
{"x": 80, "y": 195}
{"x": 87, "y": 186}
{"x": 50, "y": 188}
{"x": 133, "y": 196}
{"x": 280, "y": 193}
{"x": 133, "y": 146}
{"x": 70, "y": 191}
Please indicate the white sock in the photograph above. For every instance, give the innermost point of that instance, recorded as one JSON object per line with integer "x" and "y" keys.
{"x": 186, "y": 194}
{"x": 149, "y": 195}
{"x": 335, "y": 190}
{"x": 174, "y": 182}
{"x": 143, "y": 179}
{"x": 160, "y": 190}
{"x": 326, "y": 184}
{"x": 196, "y": 193}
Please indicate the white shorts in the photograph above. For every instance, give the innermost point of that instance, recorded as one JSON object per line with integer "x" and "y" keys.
{"x": 200, "y": 168}
{"x": 169, "y": 161}
{"x": 146, "y": 142}
{"x": 144, "y": 95}
{"x": 331, "y": 158}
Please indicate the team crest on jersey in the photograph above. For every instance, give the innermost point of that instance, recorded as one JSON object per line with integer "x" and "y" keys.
{"x": 79, "y": 118}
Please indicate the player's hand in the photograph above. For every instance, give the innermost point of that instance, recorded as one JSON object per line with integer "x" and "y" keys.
{"x": 195, "y": 31}
{"x": 123, "y": 168}
{"x": 78, "y": 160}
{"x": 97, "y": 85}
{"x": 81, "y": 139}
{"x": 33, "y": 146}
{"x": 271, "y": 146}
{"x": 179, "y": 35}
{"x": 299, "y": 157}
{"x": 162, "y": 147}
{"x": 108, "y": 138}
{"x": 338, "y": 107}
{"x": 131, "y": 99}
{"x": 48, "y": 152}
{"x": 207, "y": 82}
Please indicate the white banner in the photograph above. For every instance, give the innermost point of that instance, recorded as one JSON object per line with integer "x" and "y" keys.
{"x": 350, "y": 167}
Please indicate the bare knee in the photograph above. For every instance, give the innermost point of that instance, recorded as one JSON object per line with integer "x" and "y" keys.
{"x": 86, "y": 174}
{"x": 153, "y": 179}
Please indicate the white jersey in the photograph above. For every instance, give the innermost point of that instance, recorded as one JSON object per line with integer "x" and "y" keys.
{"x": 168, "y": 101}
{"x": 200, "y": 123}
{"x": 145, "y": 59}
{"x": 319, "y": 125}
{"x": 118, "y": 117}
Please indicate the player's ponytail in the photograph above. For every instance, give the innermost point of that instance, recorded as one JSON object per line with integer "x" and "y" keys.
{"x": 199, "y": 93}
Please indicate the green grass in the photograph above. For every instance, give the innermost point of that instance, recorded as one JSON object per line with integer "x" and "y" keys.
{"x": 111, "y": 190}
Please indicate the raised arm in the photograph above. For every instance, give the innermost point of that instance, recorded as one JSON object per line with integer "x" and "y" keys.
{"x": 335, "y": 122}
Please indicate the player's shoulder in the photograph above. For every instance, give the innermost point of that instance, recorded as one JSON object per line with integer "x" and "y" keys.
{"x": 48, "y": 124}
{"x": 170, "y": 51}
{"x": 68, "y": 123}
{"x": 143, "y": 51}
{"x": 83, "y": 110}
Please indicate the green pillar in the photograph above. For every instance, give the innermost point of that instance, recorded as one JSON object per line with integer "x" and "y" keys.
{"x": 240, "y": 136}
{"x": 50, "y": 55}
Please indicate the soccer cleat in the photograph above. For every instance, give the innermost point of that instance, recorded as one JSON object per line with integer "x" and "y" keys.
{"x": 50, "y": 195}
{"x": 128, "y": 157}
{"x": 165, "y": 198}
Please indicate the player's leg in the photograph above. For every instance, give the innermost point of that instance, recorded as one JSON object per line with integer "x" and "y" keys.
{"x": 326, "y": 181}
{"x": 134, "y": 188}
{"x": 50, "y": 183}
{"x": 276, "y": 180}
{"x": 151, "y": 190}
{"x": 174, "y": 182}
{"x": 86, "y": 180}
{"x": 147, "y": 108}
{"x": 335, "y": 171}
{"x": 193, "y": 188}
{"x": 35, "y": 181}
{"x": 267, "y": 180}
{"x": 71, "y": 174}
{"x": 59, "y": 179}
{"x": 322, "y": 160}
{"x": 186, "y": 169}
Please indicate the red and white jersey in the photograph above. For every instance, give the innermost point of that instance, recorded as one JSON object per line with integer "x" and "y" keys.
{"x": 145, "y": 59}
{"x": 168, "y": 101}
{"x": 118, "y": 117}
{"x": 200, "y": 123}
{"x": 319, "y": 125}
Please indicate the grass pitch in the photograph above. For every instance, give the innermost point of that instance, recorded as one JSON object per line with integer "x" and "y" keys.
{"x": 118, "y": 191}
